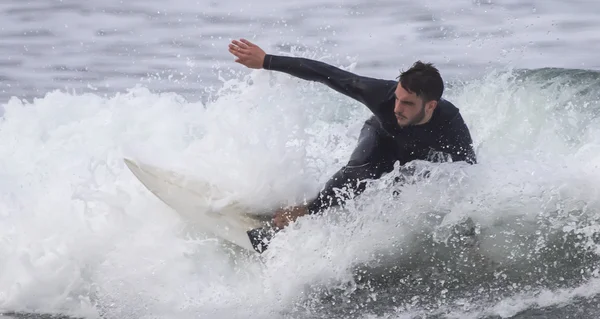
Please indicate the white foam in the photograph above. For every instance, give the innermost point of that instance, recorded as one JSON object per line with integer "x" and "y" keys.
{"x": 78, "y": 229}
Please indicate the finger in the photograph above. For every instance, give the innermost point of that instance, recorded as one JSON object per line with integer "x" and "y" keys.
{"x": 240, "y": 44}
{"x": 238, "y": 49}
{"x": 281, "y": 224}
{"x": 238, "y": 54}
{"x": 248, "y": 43}
{"x": 278, "y": 222}
{"x": 234, "y": 47}
{"x": 232, "y": 51}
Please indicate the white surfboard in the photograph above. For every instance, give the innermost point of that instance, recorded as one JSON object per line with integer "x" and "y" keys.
{"x": 198, "y": 203}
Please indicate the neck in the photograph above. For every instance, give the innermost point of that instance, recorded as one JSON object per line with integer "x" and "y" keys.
{"x": 426, "y": 119}
{"x": 428, "y": 116}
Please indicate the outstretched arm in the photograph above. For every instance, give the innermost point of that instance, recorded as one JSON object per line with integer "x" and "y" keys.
{"x": 368, "y": 91}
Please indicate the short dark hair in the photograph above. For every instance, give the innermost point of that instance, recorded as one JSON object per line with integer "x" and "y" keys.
{"x": 424, "y": 80}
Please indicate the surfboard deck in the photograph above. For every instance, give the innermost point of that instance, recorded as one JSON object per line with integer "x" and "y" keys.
{"x": 204, "y": 205}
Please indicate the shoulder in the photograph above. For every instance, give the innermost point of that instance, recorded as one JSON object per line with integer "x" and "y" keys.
{"x": 450, "y": 120}
{"x": 447, "y": 110}
{"x": 448, "y": 114}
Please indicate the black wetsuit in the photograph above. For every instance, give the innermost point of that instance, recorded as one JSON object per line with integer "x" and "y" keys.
{"x": 382, "y": 141}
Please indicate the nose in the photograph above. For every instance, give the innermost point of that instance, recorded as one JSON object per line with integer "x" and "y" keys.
{"x": 398, "y": 107}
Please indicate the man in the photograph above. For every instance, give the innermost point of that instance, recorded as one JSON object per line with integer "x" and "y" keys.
{"x": 410, "y": 121}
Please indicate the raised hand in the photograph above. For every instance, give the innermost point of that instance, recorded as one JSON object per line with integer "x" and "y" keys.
{"x": 247, "y": 53}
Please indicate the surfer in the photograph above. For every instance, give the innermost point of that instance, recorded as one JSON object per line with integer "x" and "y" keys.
{"x": 410, "y": 121}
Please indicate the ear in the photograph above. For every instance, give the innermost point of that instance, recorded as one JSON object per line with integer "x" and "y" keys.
{"x": 430, "y": 106}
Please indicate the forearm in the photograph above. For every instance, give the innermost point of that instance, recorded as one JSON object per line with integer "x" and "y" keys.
{"x": 335, "y": 194}
{"x": 306, "y": 69}
{"x": 365, "y": 90}
{"x": 345, "y": 184}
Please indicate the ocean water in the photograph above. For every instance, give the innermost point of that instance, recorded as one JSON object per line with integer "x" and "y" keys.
{"x": 83, "y": 84}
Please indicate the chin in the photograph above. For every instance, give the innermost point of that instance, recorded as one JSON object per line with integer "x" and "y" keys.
{"x": 401, "y": 123}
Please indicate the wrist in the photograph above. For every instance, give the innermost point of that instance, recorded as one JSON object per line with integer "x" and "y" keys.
{"x": 267, "y": 61}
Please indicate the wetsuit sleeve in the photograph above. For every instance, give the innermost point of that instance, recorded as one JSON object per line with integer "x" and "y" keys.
{"x": 459, "y": 144}
{"x": 368, "y": 91}
{"x": 328, "y": 197}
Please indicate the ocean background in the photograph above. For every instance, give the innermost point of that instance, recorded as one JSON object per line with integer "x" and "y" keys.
{"x": 85, "y": 83}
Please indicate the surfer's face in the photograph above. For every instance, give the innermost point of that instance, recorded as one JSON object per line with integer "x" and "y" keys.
{"x": 411, "y": 109}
